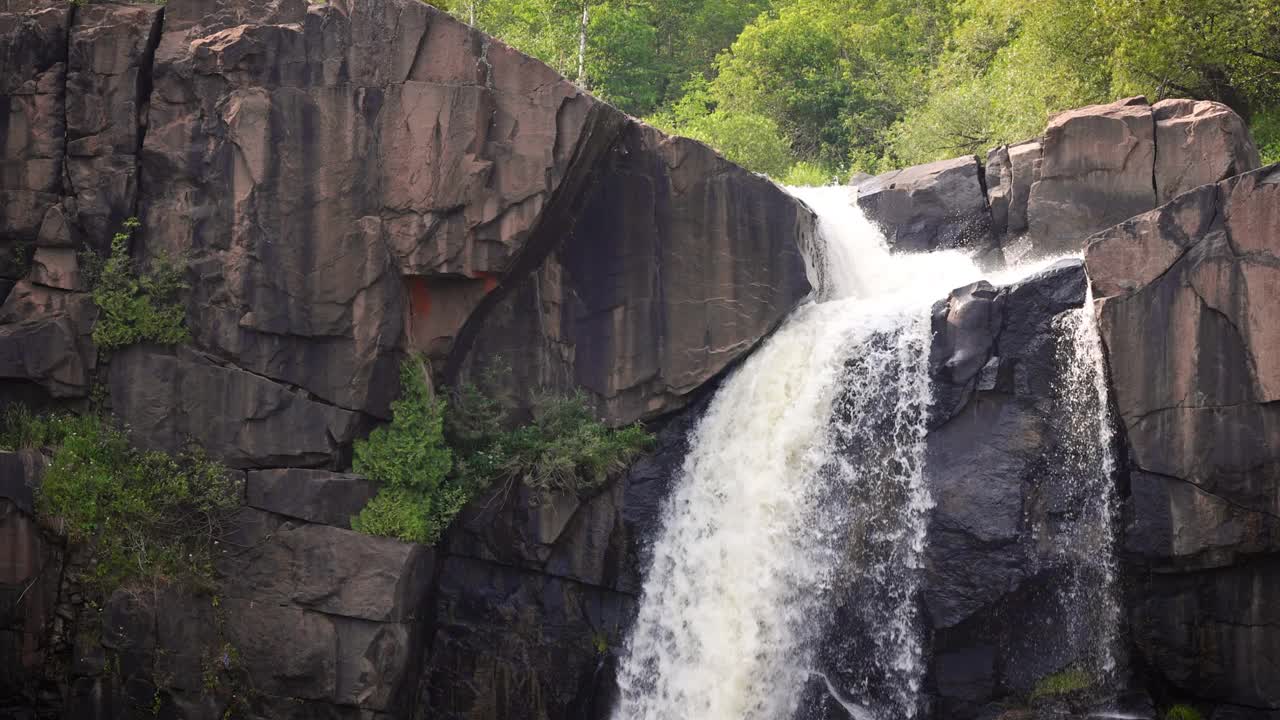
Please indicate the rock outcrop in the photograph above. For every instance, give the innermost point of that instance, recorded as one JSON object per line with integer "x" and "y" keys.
{"x": 351, "y": 182}
{"x": 1092, "y": 168}
{"x": 1188, "y": 312}
{"x": 940, "y": 205}
{"x": 998, "y": 565}
{"x": 452, "y": 168}
{"x": 1100, "y": 165}
{"x": 348, "y": 183}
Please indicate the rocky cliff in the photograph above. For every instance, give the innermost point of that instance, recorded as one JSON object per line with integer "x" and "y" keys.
{"x": 346, "y": 184}
{"x": 352, "y": 182}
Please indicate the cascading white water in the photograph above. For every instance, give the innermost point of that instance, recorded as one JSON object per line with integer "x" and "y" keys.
{"x": 1085, "y": 467}
{"x": 804, "y": 478}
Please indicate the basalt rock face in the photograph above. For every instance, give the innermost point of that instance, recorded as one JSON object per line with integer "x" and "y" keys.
{"x": 367, "y": 172}
{"x": 348, "y": 183}
{"x": 697, "y": 255}
{"x": 995, "y": 568}
{"x": 1188, "y": 314}
{"x": 535, "y": 599}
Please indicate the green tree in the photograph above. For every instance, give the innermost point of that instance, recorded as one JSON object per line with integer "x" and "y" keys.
{"x": 136, "y": 303}
{"x": 833, "y": 76}
{"x": 411, "y": 461}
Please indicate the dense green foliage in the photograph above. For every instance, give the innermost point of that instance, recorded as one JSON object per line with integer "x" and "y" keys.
{"x": 146, "y": 517}
{"x": 638, "y": 52}
{"x": 135, "y": 303}
{"x": 871, "y": 84}
{"x": 1061, "y": 683}
{"x": 435, "y": 456}
{"x": 562, "y": 449}
{"x": 411, "y": 460}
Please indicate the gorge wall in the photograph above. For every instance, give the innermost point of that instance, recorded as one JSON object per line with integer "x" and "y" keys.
{"x": 348, "y": 183}
{"x": 355, "y": 181}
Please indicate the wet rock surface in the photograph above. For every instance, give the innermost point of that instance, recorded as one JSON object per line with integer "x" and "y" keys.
{"x": 993, "y": 576}
{"x": 940, "y": 205}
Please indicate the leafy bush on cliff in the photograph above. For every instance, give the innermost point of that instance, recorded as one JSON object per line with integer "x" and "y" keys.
{"x": 145, "y": 517}
{"x": 20, "y": 429}
{"x": 1266, "y": 131}
{"x": 427, "y": 479}
{"x": 563, "y": 449}
{"x": 135, "y": 304}
{"x": 411, "y": 460}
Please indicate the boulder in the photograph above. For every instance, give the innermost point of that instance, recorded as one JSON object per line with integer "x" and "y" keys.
{"x": 1185, "y": 312}
{"x": 44, "y": 351}
{"x": 1000, "y": 460}
{"x": 326, "y": 569}
{"x": 1095, "y": 171}
{"x": 1100, "y": 165}
{"x": 939, "y": 205}
{"x": 1010, "y": 172}
{"x": 1198, "y": 142}
{"x": 45, "y": 338}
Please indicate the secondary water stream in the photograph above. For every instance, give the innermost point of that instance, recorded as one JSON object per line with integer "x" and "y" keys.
{"x": 805, "y": 478}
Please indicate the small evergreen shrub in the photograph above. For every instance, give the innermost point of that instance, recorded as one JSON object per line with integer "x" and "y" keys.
{"x": 1182, "y": 712}
{"x": 146, "y": 517}
{"x": 1065, "y": 682}
{"x": 135, "y": 304}
{"x": 411, "y": 460}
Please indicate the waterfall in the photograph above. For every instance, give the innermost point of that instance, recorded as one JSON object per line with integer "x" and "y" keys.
{"x": 802, "y": 502}
{"x": 1085, "y": 468}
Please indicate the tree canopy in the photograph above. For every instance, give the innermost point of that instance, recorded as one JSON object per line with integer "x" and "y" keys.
{"x": 815, "y": 88}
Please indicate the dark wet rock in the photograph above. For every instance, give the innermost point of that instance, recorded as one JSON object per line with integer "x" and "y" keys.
{"x": 553, "y": 631}
{"x": 992, "y": 582}
{"x": 1214, "y": 633}
{"x": 326, "y": 569}
{"x": 927, "y": 207}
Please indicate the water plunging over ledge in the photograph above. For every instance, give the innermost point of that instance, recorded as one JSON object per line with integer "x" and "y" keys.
{"x": 803, "y": 489}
